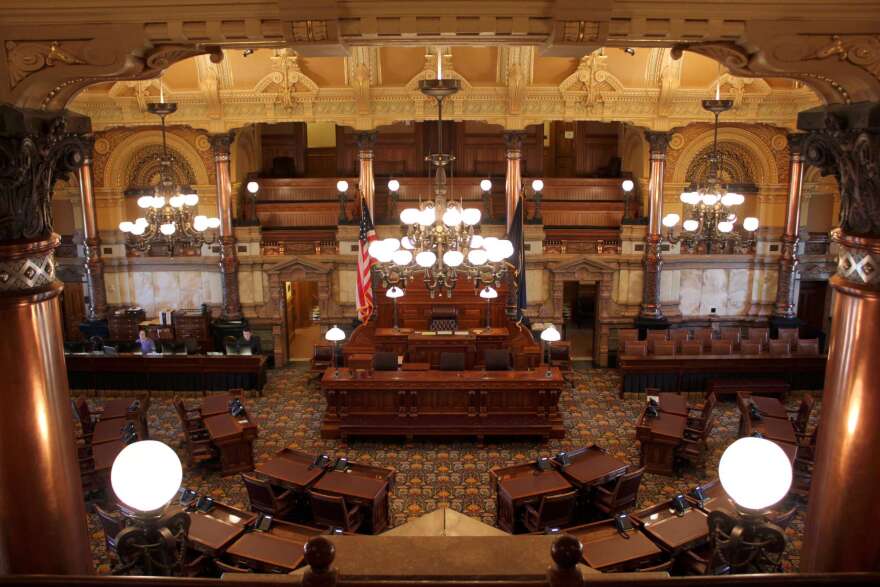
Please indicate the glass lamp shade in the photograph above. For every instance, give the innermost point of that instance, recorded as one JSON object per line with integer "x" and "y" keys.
{"x": 145, "y": 201}
{"x": 406, "y": 243}
{"x": 392, "y": 244}
{"x": 738, "y": 199}
{"x": 453, "y": 258}
{"x": 477, "y": 256}
{"x": 138, "y": 230}
{"x": 409, "y": 216}
{"x": 176, "y": 201}
{"x": 335, "y": 334}
{"x": 691, "y": 225}
{"x": 200, "y": 223}
{"x": 495, "y": 251}
{"x": 755, "y": 472}
{"x": 253, "y": 187}
{"x": 191, "y": 199}
{"x": 725, "y": 226}
{"x": 628, "y": 185}
{"x": 393, "y": 185}
{"x": 452, "y": 217}
{"x": 401, "y": 257}
{"x": 506, "y": 247}
{"x": 213, "y": 223}
{"x": 168, "y": 229}
{"x": 158, "y": 202}
{"x": 426, "y": 259}
{"x": 126, "y": 226}
{"x": 384, "y": 254}
{"x": 342, "y": 185}
{"x": 489, "y": 242}
{"x": 427, "y": 217}
{"x": 537, "y": 185}
{"x": 146, "y": 475}
{"x": 671, "y": 220}
{"x": 486, "y": 185}
{"x": 729, "y": 199}
{"x": 488, "y": 293}
{"x": 476, "y": 241}
{"x": 751, "y": 223}
{"x": 394, "y": 292}
{"x": 710, "y": 199}
{"x": 690, "y": 198}
{"x": 471, "y": 216}
{"x": 550, "y": 334}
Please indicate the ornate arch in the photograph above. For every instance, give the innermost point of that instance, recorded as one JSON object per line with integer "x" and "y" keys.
{"x": 125, "y": 156}
{"x": 144, "y": 168}
{"x": 736, "y": 165}
{"x": 759, "y": 157}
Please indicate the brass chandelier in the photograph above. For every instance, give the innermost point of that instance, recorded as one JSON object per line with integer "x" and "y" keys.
{"x": 442, "y": 240}
{"x": 170, "y": 212}
{"x": 711, "y": 210}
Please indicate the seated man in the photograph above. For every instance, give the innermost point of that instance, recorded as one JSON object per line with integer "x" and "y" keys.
{"x": 248, "y": 340}
{"x": 145, "y": 343}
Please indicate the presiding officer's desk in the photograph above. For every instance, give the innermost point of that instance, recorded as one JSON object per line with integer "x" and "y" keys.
{"x": 442, "y": 403}
{"x": 161, "y": 372}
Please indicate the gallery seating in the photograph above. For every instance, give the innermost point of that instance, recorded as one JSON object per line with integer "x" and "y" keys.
{"x": 663, "y": 347}
{"x": 333, "y": 511}
{"x": 748, "y": 347}
{"x": 758, "y": 335}
{"x": 779, "y": 347}
{"x": 787, "y": 334}
{"x": 620, "y": 494}
{"x": 636, "y": 347}
{"x": 551, "y": 511}
{"x": 266, "y": 499}
{"x": 721, "y": 347}
{"x": 802, "y": 415}
{"x": 691, "y": 347}
{"x": 807, "y": 346}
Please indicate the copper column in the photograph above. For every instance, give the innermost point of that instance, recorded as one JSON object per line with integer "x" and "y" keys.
{"x": 94, "y": 265}
{"x": 221, "y": 144}
{"x": 788, "y": 260}
{"x": 42, "y": 514}
{"x": 366, "y": 180}
{"x": 513, "y": 181}
{"x": 843, "y": 515}
{"x": 653, "y": 262}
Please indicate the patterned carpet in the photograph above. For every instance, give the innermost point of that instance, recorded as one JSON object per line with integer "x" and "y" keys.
{"x": 432, "y": 474}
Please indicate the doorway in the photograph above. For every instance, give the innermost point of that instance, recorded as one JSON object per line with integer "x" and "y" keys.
{"x": 812, "y": 308}
{"x": 579, "y": 317}
{"x": 301, "y": 316}
{"x": 73, "y": 309}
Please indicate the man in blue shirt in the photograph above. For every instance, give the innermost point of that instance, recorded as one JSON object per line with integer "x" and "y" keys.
{"x": 145, "y": 342}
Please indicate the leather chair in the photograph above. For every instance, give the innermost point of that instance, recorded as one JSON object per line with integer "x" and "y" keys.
{"x": 87, "y": 420}
{"x": 192, "y": 346}
{"x": 560, "y": 353}
{"x": 694, "y": 445}
{"x": 691, "y": 347}
{"x": 322, "y": 358}
{"x": 663, "y": 347}
{"x": 228, "y": 568}
{"x": 779, "y": 347}
{"x": 385, "y": 361}
{"x": 264, "y": 499}
{"x": 660, "y": 334}
{"x": 788, "y": 334}
{"x": 619, "y": 494}
{"x": 747, "y": 347}
{"x": 637, "y": 348}
{"x": 332, "y": 511}
{"x": 697, "y": 421}
{"x": 496, "y": 359}
{"x": 720, "y": 347}
{"x": 112, "y": 524}
{"x": 552, "y": 511}
{"x": 802, "y": 415}
{"x": 452, "y": 361}
{"x": 807, "y": 347}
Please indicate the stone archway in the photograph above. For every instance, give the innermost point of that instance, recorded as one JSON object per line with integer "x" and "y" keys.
{"x": 586, "y": 271}
{"x": 294, "y": 269}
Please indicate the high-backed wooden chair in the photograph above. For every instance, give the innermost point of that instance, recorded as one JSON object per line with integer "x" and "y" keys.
{"x": 694, "y": 445}
{"x": 720, "y": 347}
{"x": 658, "y": 334}
{"x": 552, "y": 511}
{"x": 779, "y": 347}
{"x": 230, "y": 568}
{"x": 692, "y": 347}
{"x": 704, "y": 336}
{"x": 196, "y": 440}
{"x": 698, "y": 414}
{"x": 733, "y": 334}
{"x": 638, "y": 348}
{"x": 85, "y": 416}
{"x": 789, "y": 334}
{"x": 190, "y": 418}
{"x": 385, "y": 361}
{"x": 663, "y": 347}
{"x": 443, "y": 318}
{"x": 452, "y": 361}
{"x": 322, "y": 358}
{"x": 807, "y": 347}
{"x": 758, "y": 335}
{"x": 560, "y": 353}
{"x": 624, "y": 334}
{"x": 802, "y": 415}
{"x": 748, "y": 347}
{"x": 679, "y": 335}
{"x": 497, "y": 359}
{"x": 112, "y": 524}
{"x": 333, "y": 511}
{"x": 265, "y": 499}
{"x": 620, "y": 494}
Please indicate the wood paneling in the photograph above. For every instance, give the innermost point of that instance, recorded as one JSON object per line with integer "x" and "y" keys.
{"x": 595, "y": 149}
{"x": 284, "y": 150}
{"x": 397, "y": 151}
{"x": 73, "y": 309}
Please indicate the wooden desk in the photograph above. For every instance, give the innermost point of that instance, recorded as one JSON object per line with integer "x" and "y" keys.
{"x": 132, "y": 409}
{"x": 443, "y": 403}
{"x": 415, "y": 366}
{"x": 366, "y": 490}
{"x": 769, "y": 406}
{"x": 424, "y": 348}
{"x": 289, "y": 473}
{"x": 215, "y": 404}
{"x": 521, "y": 484}
{"x": 266, "y": 552}
{"x": 694, "y": 372}
{"x": 210, "y": 535}
{"x": 591, "y": 466}
{"x": 165, "y": 372}
{"x": 105, "y": 453}
{"x": 108, "y": 431}
{"x": 775, "y": 429}
{"x": 234, "y": 440}
{"x": 605, "y": 549}
{"x": 672, "y": 532}
{"x": 673, "y": 403}
{"x": 659, "y": 438}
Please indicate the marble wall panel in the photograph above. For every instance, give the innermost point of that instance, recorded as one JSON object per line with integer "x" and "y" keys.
{"x": 634, "y": 287}
{"x": 166, "y": 290}
{"x": 536, "y": 286}
{"x": 143, "y": 291}
{"x": 690, "y": 291}
{"x": 212, "y": 287}
{"x": 245, "y": 287}
{"x": 670, "y": 282}
{"x": 347, "y": 287}
{"x": 191, "y": 292}
{"x": 714, "y": 292}
{"x": 738, "y": 291}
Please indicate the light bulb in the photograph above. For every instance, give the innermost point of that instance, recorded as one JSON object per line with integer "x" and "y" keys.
{"x": 453, "y": 258}
{"x": 739, "y": 199}
{"x": 452, "y": 217}
{"x": 384, "y": 254}
{"x": 537, "y": 185}
{"x": 146, "y": 475}
{"x": 401, "y": 257}
{"x": 191, "y": 199}
{"x": 477, "y": 257}
{"x": 138, "y": 229}
{"x": 671, "y": 220}
{"x": 409, "y": 216}
{"x": 550, "y": 334}
{"x": 755, "y": 472}
{"x": 751, "y": 223}
{"x": 200, "y": 223}
{"x": 471, "y": 216}
{"x": 710, "y": 199}
{"x": 168, "y": 228}
{"x": 725, "y": 226}
{"x": 428, "y": 216}
{"x": 253, "y": 187}
{"x": 506, "y": 247}
{"x": 335, "y": 334}
{"x": 690, "y": 225}
{"x": 476, "y": 241}
{"x": 342, "y": 185}
{"x": 142, "y": 222}
{"x": 495, "y": 252}
{"x": 393, "y": 185}
{"x": 392, "y": 244}
{"x": 407, "y": 243}
{"x": 488, "y": 293}
{"x": 213, "y": 223}
{"x": 486, "y": 185}
{"x": 489, "y": 242}
{"x": 145, "y": 201}
{"x": 158, "y": 202}
{"x": 426, "y": 259}
{"x": 126, "y": 226}
{"x": 375, "y": 247}
{"x": 628, "y": 185}
{"x": 394, "y": 292}
{"x": 175, "y": 201}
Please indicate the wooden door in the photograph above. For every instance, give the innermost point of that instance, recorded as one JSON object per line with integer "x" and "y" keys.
{"x": 73, "y": 309}
{"x": 811, "y": 305}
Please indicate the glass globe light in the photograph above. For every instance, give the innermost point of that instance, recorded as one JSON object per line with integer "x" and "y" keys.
{"x": 476, "y": 241}
{"x": 168, "y": 228}
{"x": 407, "y": 243}
{"x": 374, "y": 248}
{"x": 335, "y": 334}
{"x": 392, "y": 244}
{"x": 426, "y": 259}
{"x": 453, "y": 258}
{"x": 691, "y": 198}
{"x": 138, "y": 229}
{"x": 751, "y": 223}
{"x": 755, "y": 472}
{"x": 728, "y": 199}
{"x": 253, "y": 187}
{"x": 394, "y": 292}
{"x": 690, "y": 225}
{"x": 342, "y": 185}
{"x": 146, "y": 475}
{"x": 488, "y": 293}
{"x": 537, "y": 185}
{"x": 489, "y": 242}
{"x": 427, "y": 217}
{"x": 145, "y": 201}
{"x": 506, "y": 247}
{"x": 628, "y": 185}
{"x": 142, "y": 222}
{"x": 126, "y": 226}
{"x": 495, "y": 253}
{"x": 384, "y": 254}
{"x": 393, "y": 185}
{"x": 200, "y": 222}
{"x": 213, "y": 223}
{"x": 725, "y": 226}
{"x": 452, "y": 217}
{"x": 550, "y": 334}
{"x": 191, "y": 199}
{"x": 710, "y": 199}
{"x": 471, "y": 216}
{"x": 401, "y": 257}
{"x": 409, "y": 216}
{"x": 486, "y": 185}
{"x": 176, "y": 201}
{"x": 158, "y": 202}
{"x": 671, "y": 220}
{"x": 738, "y": 199}
{"x": 477, "y": 257}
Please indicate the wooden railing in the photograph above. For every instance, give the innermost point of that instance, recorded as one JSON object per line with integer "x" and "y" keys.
{"x": 275, "y": 248}
{"x": 555, "y": 246}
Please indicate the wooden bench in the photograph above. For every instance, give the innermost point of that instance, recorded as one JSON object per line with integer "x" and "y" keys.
{"x": 774, "y": 387}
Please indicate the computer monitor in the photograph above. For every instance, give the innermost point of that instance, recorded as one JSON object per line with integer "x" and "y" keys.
{"x": 230, "y": 348}
{"x": 109, "y": 350}
{"x": 245, "y": 350}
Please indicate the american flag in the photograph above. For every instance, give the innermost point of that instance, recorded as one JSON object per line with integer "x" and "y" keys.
{"x": 365, "y": 264}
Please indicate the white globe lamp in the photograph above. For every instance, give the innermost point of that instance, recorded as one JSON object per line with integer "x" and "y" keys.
{"x": 488, "y": 293}
{"x": 145, "y": 476}
{"x": 755, "y": 473}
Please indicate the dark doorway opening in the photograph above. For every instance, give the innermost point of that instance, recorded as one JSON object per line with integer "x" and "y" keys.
{"x": 579, "y": 315}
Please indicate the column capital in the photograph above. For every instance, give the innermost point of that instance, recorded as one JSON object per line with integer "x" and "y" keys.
{"x": 221, "y": 144}
{"x": 796, "y": 142}
{"x": 366, "y": 140}
{"x": 658, "y": 141}
{"x": 514, "y": 140}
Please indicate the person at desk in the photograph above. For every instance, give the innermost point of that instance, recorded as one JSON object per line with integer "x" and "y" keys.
{"x": 145, "y": 343}
{"x": 248, "y": 340}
